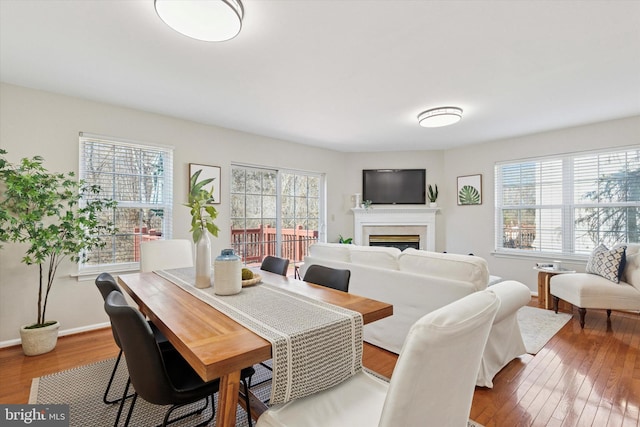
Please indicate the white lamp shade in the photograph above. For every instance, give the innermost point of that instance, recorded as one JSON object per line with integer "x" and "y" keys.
{"x": 208, "y": 20}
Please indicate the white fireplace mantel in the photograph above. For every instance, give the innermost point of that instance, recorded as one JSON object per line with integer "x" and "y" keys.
{"x": 421, "y": 218}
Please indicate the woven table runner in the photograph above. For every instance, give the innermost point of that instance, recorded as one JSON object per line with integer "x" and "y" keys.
{"x": 315, "y": 345}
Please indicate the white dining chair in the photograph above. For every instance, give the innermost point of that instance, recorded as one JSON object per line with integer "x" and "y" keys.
{"x": 165, "y": 254}
{"x": 432, "y": 384}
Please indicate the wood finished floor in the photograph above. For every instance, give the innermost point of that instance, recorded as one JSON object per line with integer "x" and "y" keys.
{"x": 587, "y": 377}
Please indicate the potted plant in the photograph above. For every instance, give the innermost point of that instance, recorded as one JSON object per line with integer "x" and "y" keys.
{"x": 433, "y": 195}
{"x": 57, "y": 216}
{"x": 202, "y": 216}
{"x": 347, "y": 241}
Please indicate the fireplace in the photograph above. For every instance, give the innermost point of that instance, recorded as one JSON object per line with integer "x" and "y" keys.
{"x": 400, "y": 241}
{"x": 396, "y": 221}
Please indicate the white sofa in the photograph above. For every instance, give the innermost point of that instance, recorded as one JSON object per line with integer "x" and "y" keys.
{"x": 586, "y": 290}
{"x": 417, "y": 282}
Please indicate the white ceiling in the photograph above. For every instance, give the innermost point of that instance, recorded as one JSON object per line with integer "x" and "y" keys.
{"x": 346, "y": 75}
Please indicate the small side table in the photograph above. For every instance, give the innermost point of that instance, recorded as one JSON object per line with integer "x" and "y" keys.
{"x": 544, "y": 282}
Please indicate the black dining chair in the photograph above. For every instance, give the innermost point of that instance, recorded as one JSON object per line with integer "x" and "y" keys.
{"x": 330, "y": 277}
{"x": 107, "y": 284}
{"x": 275, "y": 265}
{"x": 161, "y": 378}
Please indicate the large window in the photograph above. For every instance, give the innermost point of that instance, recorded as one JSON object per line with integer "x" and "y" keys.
{"x": 139, "y": 177}
{"x": 567, "y": 205}
{"x": 275, "y": 212}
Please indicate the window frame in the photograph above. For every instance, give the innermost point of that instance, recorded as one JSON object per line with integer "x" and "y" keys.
{"x": 279, "y": 217}
{"x": 90, "y": 270}
{"x": 569, "y": 206}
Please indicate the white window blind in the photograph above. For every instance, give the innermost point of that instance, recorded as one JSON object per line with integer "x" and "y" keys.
{"x": 140, "y": 178}
{"x": 567, "y": 205}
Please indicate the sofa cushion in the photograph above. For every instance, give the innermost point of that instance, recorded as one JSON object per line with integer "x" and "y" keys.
{"x": 465, "y": 268}
{"x": 331, "y": 251}
{"x": 375, "y": 256}
{"x": 607, "y": 263}
{"x": 631, "y": 273}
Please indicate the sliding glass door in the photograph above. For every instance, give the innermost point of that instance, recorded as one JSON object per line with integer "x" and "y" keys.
{"x": 275, "y": 212}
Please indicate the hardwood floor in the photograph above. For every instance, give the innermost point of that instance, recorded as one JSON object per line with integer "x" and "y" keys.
{"x": 587, "y": 377}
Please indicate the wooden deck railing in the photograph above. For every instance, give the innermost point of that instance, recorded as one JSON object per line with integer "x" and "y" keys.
{"x": 253, "y": 244}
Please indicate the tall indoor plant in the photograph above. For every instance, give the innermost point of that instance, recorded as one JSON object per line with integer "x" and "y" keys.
{"x": 202, "y": 215}
{"x": 57, "y": 216}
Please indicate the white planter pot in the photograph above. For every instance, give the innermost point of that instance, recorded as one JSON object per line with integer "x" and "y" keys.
{"x": 39, "y": 340}
{"x": 433, "y": 205}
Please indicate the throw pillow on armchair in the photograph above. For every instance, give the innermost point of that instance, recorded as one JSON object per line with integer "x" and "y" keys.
{"x": 607, "y": 263}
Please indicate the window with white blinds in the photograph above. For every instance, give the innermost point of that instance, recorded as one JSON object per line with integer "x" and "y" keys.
{"x": 569, "y": 204}
{"x": 140, "y": 178}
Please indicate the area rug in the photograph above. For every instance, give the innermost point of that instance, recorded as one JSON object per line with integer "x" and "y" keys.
{"x": 82, "y": 389}
{"x": 538, "y": 326}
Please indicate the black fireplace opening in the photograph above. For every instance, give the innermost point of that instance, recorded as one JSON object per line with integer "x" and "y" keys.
{"x": 401, "y": 242}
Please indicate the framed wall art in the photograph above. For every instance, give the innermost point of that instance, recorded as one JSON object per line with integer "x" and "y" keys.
{"x": 208, "y": 172}
{"x": 470, "y": 190}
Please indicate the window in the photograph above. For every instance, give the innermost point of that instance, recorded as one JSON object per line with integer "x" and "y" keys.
{"x": 274, "y": 212}
{"x": 569, "y": 204}
{"x": 140, "y": 178}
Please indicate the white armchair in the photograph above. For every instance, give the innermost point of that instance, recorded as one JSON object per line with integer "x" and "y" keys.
{"x": 586, "y": 290}
{"x": 432, "y": 384}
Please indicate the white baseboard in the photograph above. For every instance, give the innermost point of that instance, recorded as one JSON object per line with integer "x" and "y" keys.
{"x": 61, "y": 333}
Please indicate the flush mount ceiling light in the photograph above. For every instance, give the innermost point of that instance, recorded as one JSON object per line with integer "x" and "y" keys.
{"x": 208, "y": 20}
{"x": 441, "y": 116}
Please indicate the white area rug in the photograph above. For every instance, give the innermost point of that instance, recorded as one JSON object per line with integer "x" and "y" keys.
{"x": 538, "y": 326}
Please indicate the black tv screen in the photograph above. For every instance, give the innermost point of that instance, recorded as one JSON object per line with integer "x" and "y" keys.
{"x": 394, "y": 186}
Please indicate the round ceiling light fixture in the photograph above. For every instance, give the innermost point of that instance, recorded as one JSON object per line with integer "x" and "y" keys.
{"x": 207, "y": 20}
{"x": 441, "y": 116}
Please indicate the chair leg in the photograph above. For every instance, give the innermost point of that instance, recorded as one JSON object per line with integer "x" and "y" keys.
{"x": 113, "y": 374}
{"x": 246, "y": 401}
{"x": 122, "y": 400}
{"x": 555, "y": 303}
{"x": 166, "y": 421}
{"x": 133, "y": 402}
{"x": 608, "y": 314}
{"x": 583, "y": 312}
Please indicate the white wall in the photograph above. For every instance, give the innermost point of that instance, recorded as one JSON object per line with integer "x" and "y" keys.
{"x": 40, "y": 123}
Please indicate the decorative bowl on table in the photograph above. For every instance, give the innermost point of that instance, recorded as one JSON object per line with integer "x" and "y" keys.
{"x": 250, "y": 282}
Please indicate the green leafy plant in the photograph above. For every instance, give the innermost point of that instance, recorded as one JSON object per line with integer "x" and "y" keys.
{"x": 367, "y": 204}
{"x": 433, "y": 193}
{"x": 55, "y": 214}
{"x": 468, "y": 195}
{"x": 202, "y": 212}
{"x": 347, "y": 241}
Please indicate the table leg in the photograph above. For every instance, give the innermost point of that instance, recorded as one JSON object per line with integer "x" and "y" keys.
{"x": 228, "y": 400}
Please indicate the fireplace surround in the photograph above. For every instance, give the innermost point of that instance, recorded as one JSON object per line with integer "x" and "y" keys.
{"x": 396, "y": 221}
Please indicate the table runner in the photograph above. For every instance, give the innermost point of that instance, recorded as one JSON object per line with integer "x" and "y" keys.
{"x": 315, "y": 345}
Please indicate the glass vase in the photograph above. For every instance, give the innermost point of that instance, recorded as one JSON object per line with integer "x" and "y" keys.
{"x": 203, "y": 261}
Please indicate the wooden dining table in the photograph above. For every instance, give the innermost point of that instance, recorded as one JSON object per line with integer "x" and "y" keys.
{"x": 215, "y": 345}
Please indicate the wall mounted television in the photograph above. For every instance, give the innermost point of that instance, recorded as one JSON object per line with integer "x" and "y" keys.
{"x": 394, "y": 186}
